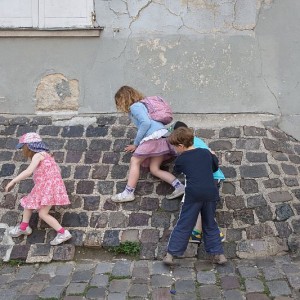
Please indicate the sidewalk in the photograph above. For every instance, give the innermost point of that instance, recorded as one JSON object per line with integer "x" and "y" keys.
{"x": 119, "y": 279}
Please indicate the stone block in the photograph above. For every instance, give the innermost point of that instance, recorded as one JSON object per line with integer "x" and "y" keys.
{"x": 100, "y": 172}
{"x": 294, "y": 244}
{"x": 278, "y": 146}
{"x": 245, "y": 216}
{"x": 272, "y": 183}
{"x": 117, "y": 220}
{"x": 230, "y": 132}
{"x": 224, "y": 218}
{"x": 100, "y": 145}
{"x": 138, "y": 219}
{"x": 220, "y": 145}
{"x": 283, "y": 212}
{"x": 296, "y": 225}
{"x": 72, "y": 131}
{"x": 74, "y": 219}
{"x": 131, "y": 235}
{"x": 278, "y": 288}
{"x": 50, "y": 130}
{"x": 85, "y": 187}
{"x": 111, "y": 238}
{"x": 230, "y": 282}
{"x": 93, "y": 239}
{"x": 249, "y": 186}
{"x": 76, "y": 145}
{"x": 93, "y": 131}
{"x": 19, "y": 252}
{"x": 254, "y": 131}
{"x": 5, "y": 155}
{"x": 119, "y": 171}
{"x": 234, "y": 157}
{"x": 99, "y": 220}
{"x": 210, "y": 292}
{"x": 73, "y": 156}
{"x": 256, "y": 157}
{"x": 279, "y": 156}
{"x": 10, "y": 218}
{"x": 92, "y": 157}
{"x": 289, "y": 169}
{"x": 256, "y": 201}
{"x": 291, "y": 181}
{"x": 259, "y": 231}
{"x": 106, "y": 120}
{"x": 161, "y": 219}
{"x": 149, "y": 204}
{"x": 235, "y": 202}
{"x": 106, "y": 187}
{"x": 280, "y": 196}
{"x": 91, "y": 202}
{"x": 40, "y": 253}
{"x": 283, "y": 229}
{"x": 264, "y": 213}
{"x": 54, "y": 143}
{"x": 64, "y": 252}
{"x": 255, "y": 171}
{"x": 120, "y": 144}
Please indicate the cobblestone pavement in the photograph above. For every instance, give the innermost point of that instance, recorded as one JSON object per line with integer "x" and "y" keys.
{"x": 119, "y": 279}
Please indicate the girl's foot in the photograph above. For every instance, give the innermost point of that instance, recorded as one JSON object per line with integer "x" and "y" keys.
{"x": 219, "y": 259}
{"x": 16, "y": 231}
{"x": 60, "y": 238}
{"x": 123, "y": 197}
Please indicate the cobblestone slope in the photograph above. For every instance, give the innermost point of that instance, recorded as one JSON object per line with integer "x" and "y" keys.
{"x": 259, "y": 210}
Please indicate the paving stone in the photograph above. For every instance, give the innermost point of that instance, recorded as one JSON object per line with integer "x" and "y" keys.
{"x": 104, "y": 267}
{"x": 257, "y": 296}
{"x": 271, "y": 273}
{"x": 119, "y": 285}
{"x": 278, "y": 288}
{"x": 254, "y": 285}
{"x": 206, "y": 277}
{"x": 210, "y": 292}
{"x": 185, "y": 286}
{"x": 161, "y": 294}
{"x": 280, "y": 196}
{"x": 64, "y": 252}
{"x": 161, "y": 281}
{"x": 122, "y": 268}
{"x": 227, "y": 269}
{"x": 233, "y": 295}
{"x": 249, "y": 186}
{"x": 96, "y": 293}
{"x": 186, "y": 273}
{"x": 116, "y": 296}
{"x": 25, "y": 272}
{"x": 294, "y": 280}
{"x": 256, "y": 157}
{"x": 230, "y": 282}
{"x": 76, "y": 288}
{"x": 255, "y": 171}
{"x": 82, "y": 276}
{"x": 283, "y": 212}
{"x": 158, "y": 267}
{"x": 53, "y": 291}
{"x": 256, "y": 201}
{"x": 99, "y": 280}
{"x": 138, "y": 290}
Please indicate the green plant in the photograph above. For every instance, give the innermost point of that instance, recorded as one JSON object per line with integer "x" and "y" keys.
{"x": 128, "y": 248}
{"x": 112, "y": 277}
{"x": 15, "y": 262}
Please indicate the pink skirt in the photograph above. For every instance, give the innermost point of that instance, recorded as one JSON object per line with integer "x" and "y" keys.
{"x": 153, "y": 148}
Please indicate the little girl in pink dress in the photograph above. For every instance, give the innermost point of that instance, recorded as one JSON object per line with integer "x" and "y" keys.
{"x": 48, "y": 189}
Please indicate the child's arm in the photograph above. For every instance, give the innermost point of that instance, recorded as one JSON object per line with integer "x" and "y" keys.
{"x": 139, "y": 112}
{"x": 26, "y": 173}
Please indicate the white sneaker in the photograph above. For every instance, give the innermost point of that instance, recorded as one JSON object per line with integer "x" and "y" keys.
{"x": 60, "y": 238}
{"x": 119, "y": 198}
{"x": 176, "y": 193}
{"x": 16, "y": 231}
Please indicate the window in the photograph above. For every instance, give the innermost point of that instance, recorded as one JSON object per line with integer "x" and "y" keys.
{"x": 46, "y": 14}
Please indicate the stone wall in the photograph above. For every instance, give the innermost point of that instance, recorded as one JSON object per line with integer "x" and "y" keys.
{"x": 260, "y": 198}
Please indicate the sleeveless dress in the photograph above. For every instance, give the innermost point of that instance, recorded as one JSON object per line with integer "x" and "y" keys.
{"x": 49, "y": 188}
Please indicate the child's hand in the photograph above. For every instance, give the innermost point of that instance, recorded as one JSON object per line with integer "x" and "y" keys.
{"x": 130, "y": 148}
{"x": 10, "y": 186}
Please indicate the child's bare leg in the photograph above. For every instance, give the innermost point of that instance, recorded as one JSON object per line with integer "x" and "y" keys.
{"x": 155, "y": 170}
{"x": 51, "y": 221}
{"x": 198, "y": 225}
{"x": 27, "y": 215}
{"x": 133, "y": 177}
{"x": 155, "y": 164}
{"x": 134, "y": 171}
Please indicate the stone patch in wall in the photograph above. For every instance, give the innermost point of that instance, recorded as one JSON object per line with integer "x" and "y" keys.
{"x": 55, "y": 92}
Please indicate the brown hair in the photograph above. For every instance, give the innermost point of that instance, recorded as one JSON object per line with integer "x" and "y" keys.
{"x": 27, "y": 152}
{"x": 182, "y": 135}
{"x": 126, "y": 96}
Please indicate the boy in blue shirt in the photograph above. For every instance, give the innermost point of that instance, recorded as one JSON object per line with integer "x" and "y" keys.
{"x": 196, "y": 236}
{"x": 201, "y": 195}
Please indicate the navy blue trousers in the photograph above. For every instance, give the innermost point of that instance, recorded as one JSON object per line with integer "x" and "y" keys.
{"x": 187, "y": 219}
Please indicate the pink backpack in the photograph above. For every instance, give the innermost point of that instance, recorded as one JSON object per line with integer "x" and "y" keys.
{"x": 158, "y": 109}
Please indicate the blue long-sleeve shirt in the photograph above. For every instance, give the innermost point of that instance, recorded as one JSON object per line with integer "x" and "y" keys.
{"x": 146, "y": 126}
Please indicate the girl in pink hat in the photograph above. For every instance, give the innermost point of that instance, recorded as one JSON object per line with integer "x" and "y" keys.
{"x": 48, "y": 189}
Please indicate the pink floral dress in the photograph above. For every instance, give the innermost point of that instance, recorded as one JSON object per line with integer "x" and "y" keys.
{"x": 49, "y": 188}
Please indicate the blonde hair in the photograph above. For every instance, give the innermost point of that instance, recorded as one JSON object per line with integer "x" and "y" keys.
{"x": 182, "y": 135}
{"x": 126, "y": 96}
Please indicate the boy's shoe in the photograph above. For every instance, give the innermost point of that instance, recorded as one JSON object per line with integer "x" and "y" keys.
{"x": 119, "y": 198}
{"x": 176, "y": 193}
{"x": 219, "y": 259}
{"x": 196, "y": 238}
{"x": 16, "y": 231}
{"x": 222, "y": 236}
{"x": 60, "y": 238}
{"x": 168, "y": 259}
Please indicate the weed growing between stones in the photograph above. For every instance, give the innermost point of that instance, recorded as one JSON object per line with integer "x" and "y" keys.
{"x": 128, "y": 248}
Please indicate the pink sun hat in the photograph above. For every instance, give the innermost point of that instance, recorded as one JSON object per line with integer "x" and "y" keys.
{"x": 27, "y": 138}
